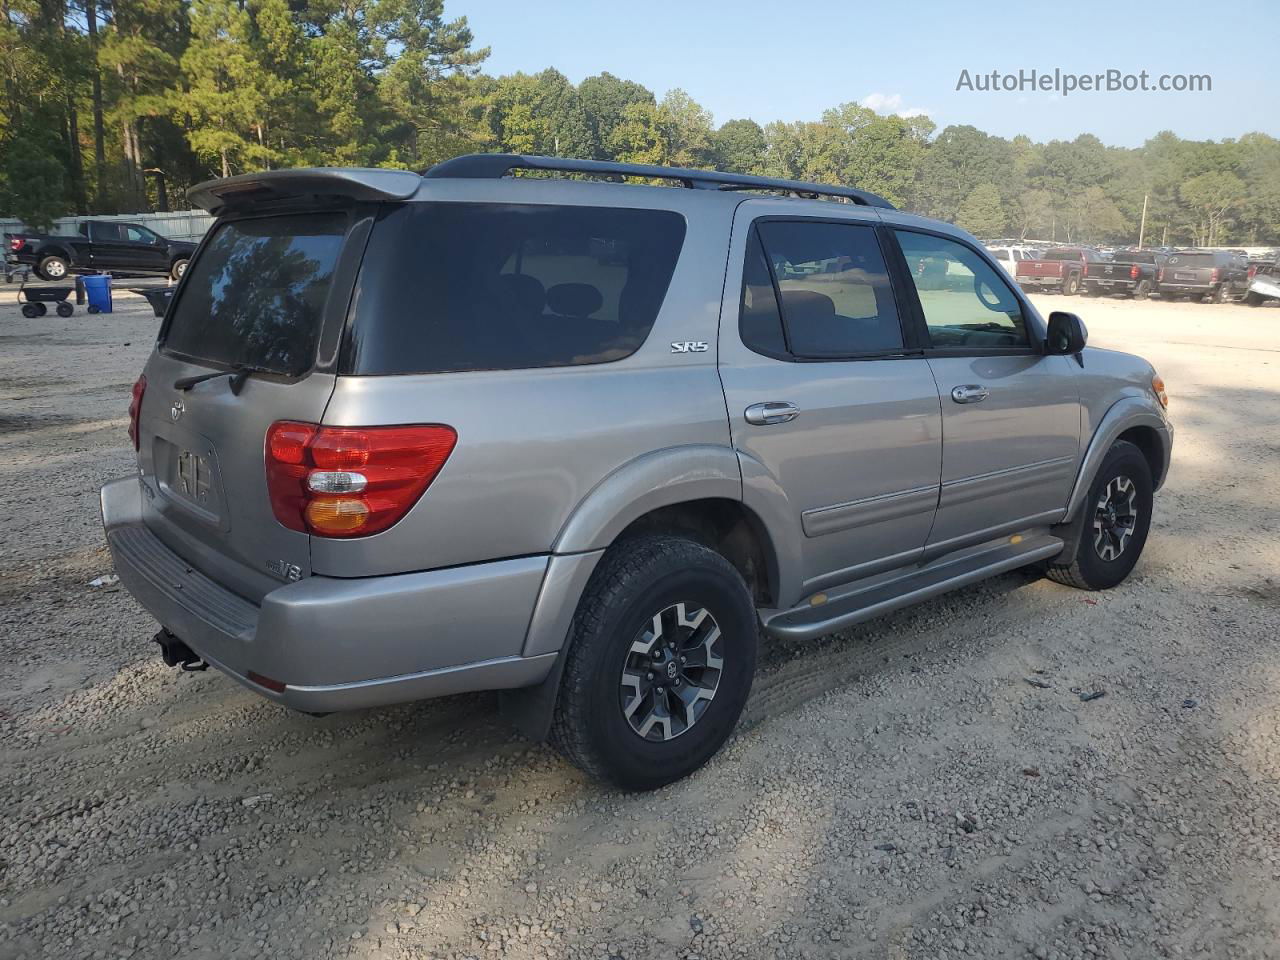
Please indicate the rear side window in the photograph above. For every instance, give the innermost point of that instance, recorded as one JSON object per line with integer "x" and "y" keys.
{"x": 832, "y": 289}
{"x": 464, "y": 286}
{"x": 255, "y": 295}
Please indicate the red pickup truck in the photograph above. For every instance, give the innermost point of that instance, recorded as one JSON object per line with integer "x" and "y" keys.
{"x": 1061, "y": 269}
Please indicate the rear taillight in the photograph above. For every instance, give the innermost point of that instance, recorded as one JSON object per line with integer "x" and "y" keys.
{"x": 1160, "y": 275}
{"x": 350, "y": 481}
{"x": 15, "y": 243}
{"x": 1253, "y": 272}
{"x": 135, "y": 408}
{"x": 1213, "y": 277}
{"x": 1133, "y": 272}
{"x": 1085, "y": 272}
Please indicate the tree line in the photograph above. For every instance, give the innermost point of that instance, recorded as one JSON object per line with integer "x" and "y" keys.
{"x": 120, "y": 105}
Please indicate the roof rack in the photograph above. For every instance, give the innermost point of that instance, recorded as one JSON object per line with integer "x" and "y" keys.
{"x": 485, "y": 166}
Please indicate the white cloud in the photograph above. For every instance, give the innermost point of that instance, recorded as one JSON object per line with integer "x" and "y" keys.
{"x": 891, "y": 103}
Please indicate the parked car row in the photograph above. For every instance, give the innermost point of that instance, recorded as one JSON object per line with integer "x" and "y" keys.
{"x": 1212, "y": 276}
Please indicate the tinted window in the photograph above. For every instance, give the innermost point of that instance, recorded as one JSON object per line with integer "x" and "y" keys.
{"x": 835, "y": 294}
{"x": 1193, "y": 260}
{"x": 509, "y": 286}
{"x": 138, "y": 234}
{"x": 103, "y": 232}
{"x": 1062, "y": 255}
{"x": 1133, "y": 256}
{"x": 760, "y": 322}
{"x": 964, "y": 299}
{"x": 255, "y": 294}
{"x": 1001, "y": 254}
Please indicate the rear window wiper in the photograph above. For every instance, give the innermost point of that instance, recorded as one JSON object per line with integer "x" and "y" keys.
{"x": 238, "y": 373}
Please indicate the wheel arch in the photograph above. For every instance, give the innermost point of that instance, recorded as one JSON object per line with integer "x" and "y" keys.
{"x": 1136, "y": 420}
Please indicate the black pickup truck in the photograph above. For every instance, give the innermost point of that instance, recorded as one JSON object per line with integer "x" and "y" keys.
{"x": 1135, "y": 273}
{"x": 100, "y": 245}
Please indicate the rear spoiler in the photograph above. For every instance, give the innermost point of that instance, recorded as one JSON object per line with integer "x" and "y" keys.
{"x": 351, "y": 183}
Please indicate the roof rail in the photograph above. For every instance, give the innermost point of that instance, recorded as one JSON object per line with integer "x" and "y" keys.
{"x": 484, "y": 166}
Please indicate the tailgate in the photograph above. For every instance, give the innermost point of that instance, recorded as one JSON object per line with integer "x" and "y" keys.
{"x": 260, "y": 294}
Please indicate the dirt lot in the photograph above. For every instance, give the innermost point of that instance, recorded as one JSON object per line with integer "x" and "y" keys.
{"x": 897, "y": 791}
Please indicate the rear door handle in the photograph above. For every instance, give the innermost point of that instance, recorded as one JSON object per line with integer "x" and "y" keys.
{"x": 773, "y": 411}
{"x": 970, "y": 393}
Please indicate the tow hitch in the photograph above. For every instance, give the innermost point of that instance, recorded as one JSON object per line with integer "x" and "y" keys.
{"x": 175, "y": 653}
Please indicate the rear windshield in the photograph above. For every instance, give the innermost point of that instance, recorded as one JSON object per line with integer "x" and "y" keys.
{"x": 1060, "y": 255}
{"x": 255, "y": 295}
{"x": 1133, "y": 256}
{"x": 464, "y": 286}
{"x": 1193, "y": 260}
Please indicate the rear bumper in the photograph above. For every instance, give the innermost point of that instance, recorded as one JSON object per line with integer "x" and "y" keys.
{"x": 340, "y": 644}
{"x": 1174, "y": 287}
{"x": 1108, "y": 283}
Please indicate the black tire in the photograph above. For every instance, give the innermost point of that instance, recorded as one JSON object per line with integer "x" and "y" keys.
{"x": 64, "y": 309}
{"x": 178, "y": 268}
{"x": 1254, "y": 299}
{"x": 1142, "y": 290}
{"x": 53, "y": 267}
{"x": 30, "y": 311}
{"x": 1219, "y": 294}
{"x": 637, "y": 582}
{"x": 92, "y": 309}
{"x": 1088, "y": 569}
{"x": 1070, "y": 284}
{"x": 1088, "y": 291}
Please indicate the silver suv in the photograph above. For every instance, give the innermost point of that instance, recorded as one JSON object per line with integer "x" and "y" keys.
{"x": 405, "y": 436}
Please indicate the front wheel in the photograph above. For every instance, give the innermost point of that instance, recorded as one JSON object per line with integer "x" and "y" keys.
{"x": 661, "y": 656}
{"x": 1254, "y": 299}
{"x": 1115, "y": 529}
{"x": 178, "y": 269}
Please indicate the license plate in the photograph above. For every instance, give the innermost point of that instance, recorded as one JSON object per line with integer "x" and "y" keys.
{"x": 193, "y": 477}
{"x": 1106, "y": 282}
{"x": 1184, "y": 276}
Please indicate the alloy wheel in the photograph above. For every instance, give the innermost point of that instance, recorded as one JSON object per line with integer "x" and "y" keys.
{"x": 671, "y": 673}
{"x": 1116, "y": 518}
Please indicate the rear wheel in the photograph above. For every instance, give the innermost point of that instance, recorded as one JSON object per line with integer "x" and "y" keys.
{"x": 53, "y": 267}
{"x": 64, "y": 309}
{"x": 1254, "y": 299}
{"x": 660, "y": 661}
{"x": 1219, "y": 294}
{"x": 1142, "y": 290}
{"x": 178, "y": 269}
{"x": 30, "y": 311}
{"x": 1071, "y": 284}
{"x": 1115, "y": 530}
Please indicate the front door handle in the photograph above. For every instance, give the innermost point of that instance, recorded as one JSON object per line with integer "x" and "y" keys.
{"x": 970, "y": 393}
{"x": 774, "y": 411}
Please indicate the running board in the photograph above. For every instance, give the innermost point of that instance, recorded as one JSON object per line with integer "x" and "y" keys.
{"x": 841, "y": 610}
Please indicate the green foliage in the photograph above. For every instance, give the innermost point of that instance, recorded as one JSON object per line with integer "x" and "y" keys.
{"x": 980, "y": 213}
{"x": 171, "y": 92}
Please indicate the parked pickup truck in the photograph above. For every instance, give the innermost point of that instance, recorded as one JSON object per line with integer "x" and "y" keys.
{"x": 1264, "y": 283}
{"x": 1061, "y": 269}
{"x": 101, "y": 245}
{"x": 1131, "y": 272}
{"x": 1212, "y": 276}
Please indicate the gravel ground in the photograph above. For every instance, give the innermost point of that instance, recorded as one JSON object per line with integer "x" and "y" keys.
{"x": 897, "y": 791}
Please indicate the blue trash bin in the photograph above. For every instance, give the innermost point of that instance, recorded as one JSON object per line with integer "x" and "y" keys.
{"x": 97, "y": 290}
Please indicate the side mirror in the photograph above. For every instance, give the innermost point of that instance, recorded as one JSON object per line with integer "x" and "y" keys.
{"x": 1067, "y": 334}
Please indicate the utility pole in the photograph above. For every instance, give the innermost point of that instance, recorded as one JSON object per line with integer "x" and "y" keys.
{"x": 1142, "y": 230}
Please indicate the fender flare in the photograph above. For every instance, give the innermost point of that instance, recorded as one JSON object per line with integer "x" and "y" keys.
{"x": 54, "y": 250}
{"x": 658, "y": 479}
{"x": 1125, "y": 414}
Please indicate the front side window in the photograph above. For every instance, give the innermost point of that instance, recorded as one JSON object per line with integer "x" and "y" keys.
{"x": 509, "y": 286}
{"x": 964, "y": 300}
{"x": 833, "y": 289}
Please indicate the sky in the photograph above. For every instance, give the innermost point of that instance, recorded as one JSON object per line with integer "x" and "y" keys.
{"x": 779, "y": 61}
